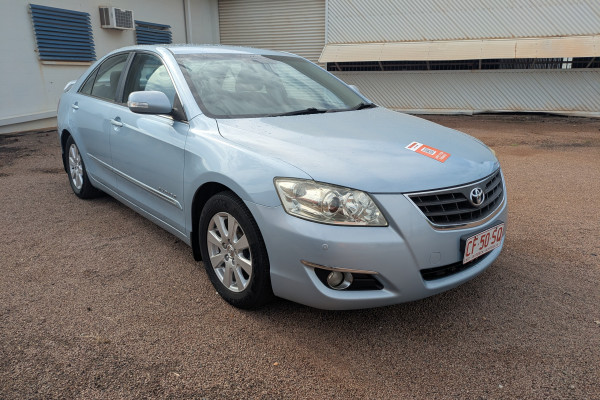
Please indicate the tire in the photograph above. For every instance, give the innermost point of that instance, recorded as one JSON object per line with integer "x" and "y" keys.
{"x": 78, "y": 178}
{"x": 233, "y": 252}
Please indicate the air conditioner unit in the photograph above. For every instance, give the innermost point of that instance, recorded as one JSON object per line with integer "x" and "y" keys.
{"x": 116, "y": 18}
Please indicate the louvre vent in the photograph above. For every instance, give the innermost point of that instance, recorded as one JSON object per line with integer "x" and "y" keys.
{"x": 62, "y": 35}
{"x": 152, "y": 33}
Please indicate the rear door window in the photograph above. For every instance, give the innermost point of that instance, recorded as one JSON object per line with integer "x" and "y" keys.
{"x": 108, "y": 76}
{"x": 89, "y": 83}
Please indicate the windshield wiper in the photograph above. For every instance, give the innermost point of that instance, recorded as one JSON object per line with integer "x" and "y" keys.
{"x": 361, "y": 106}
{"x": 313, "y": 110}
{"x": 310, "y": 110}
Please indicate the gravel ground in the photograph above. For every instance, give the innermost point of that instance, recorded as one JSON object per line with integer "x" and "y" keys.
{"x": 97, "y": 302}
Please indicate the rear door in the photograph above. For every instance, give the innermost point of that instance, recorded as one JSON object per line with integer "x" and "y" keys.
{"x": 148, "y": 150}
{"x": 90, "y": 108}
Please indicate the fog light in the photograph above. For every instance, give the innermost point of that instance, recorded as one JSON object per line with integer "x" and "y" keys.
{"x": 339, "y": 280}
{"x": 335, "y": 278}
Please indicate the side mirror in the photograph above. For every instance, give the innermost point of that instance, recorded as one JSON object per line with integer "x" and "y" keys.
{"x": 150, "y": 102}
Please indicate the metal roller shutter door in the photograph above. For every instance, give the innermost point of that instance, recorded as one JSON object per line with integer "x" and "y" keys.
{"x": 285, "y": 25}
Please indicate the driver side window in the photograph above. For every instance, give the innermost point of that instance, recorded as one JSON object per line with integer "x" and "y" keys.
{"x": 147, "y": 72}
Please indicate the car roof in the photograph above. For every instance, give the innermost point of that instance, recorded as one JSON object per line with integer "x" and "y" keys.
{"x": 206, "y": 49}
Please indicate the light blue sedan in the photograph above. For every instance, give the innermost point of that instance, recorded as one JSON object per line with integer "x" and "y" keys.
{"x": 283, "y": 180}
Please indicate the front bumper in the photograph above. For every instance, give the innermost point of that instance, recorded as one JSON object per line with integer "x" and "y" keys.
{"x": 397, "y": 253}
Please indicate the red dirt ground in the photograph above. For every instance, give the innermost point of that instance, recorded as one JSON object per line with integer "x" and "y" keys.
{"x": 98, "y": 303}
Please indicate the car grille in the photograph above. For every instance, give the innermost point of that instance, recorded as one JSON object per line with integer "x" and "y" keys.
{"x": 431, "y": 274}
{"x": 453, "y": 207}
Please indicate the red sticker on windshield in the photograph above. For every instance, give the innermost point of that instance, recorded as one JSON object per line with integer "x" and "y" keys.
{"x": 430, "y": 152}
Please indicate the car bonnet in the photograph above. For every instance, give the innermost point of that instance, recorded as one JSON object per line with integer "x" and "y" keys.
{"x": 367, "y": 149}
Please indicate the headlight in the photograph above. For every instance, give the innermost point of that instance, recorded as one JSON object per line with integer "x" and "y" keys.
{"x": 328, "y": 204}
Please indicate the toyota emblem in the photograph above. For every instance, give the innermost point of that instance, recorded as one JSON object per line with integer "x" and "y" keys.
{"x": 477, "y": 197}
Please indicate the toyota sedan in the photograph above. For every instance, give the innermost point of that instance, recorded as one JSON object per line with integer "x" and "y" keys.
{"x": 282, "y": 179}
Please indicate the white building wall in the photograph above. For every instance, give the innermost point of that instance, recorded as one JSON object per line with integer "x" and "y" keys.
{"x": 29, "y": 90}
{"x": 203, "y": 21}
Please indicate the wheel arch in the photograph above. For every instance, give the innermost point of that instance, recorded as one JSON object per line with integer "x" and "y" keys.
{"x": 64, "y": 136}
{"x": 201, "y": 196}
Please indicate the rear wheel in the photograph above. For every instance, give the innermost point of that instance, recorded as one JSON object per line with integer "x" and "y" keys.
{"x": 78, "y": 178}
{"x": 233, "y": 252}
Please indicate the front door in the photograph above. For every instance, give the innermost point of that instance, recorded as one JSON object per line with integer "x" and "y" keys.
{"x": 148, "y": 150}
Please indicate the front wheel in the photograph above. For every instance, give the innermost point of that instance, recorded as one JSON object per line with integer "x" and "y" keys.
{"x": 233, "y": 252}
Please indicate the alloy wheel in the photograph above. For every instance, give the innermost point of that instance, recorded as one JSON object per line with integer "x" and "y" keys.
{"x": 75, "y": 167}
{"x": 229, "y": 252}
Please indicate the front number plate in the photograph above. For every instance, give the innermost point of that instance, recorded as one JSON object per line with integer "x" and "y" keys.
{"x": 483, "y": 242}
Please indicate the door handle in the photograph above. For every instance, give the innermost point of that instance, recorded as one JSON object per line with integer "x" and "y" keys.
{"x": 116, "y": 122}
{"x": 74, "y": 106}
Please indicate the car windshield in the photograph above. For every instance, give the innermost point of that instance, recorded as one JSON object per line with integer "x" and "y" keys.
{"x": 252, "y": 85}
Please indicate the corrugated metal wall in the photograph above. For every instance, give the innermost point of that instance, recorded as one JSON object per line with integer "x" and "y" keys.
{"x": 360, "y": 21}
{"x": 381, "y": 30}
{"x": 575, "y": 92}
{"x": 284, "y": 25}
